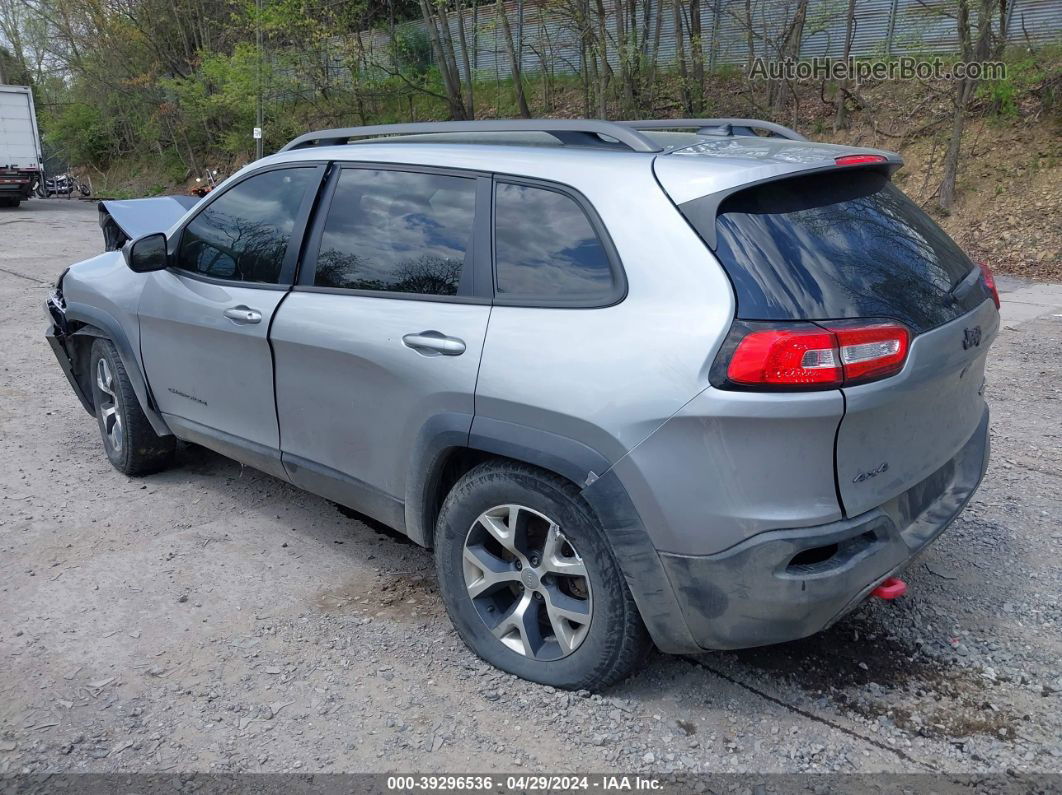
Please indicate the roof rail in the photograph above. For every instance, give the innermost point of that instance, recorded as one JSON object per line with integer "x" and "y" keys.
{"x": 708, "y": 126}
{"x": 578, "y": 132}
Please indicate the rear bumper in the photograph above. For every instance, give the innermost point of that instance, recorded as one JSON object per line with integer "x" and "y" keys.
{"x": 15, "y": 191}
{"x": 755, "y": 594}
{"x": 17, "y": 185}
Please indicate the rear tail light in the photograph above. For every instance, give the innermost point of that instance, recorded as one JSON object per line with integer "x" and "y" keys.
{"x": 990, "y": 282}
{"x": 798, "y": 357}
{"x": 786, "y": 356}
{"x": 871, "y": 351}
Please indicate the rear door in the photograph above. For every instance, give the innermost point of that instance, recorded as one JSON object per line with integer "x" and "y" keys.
{"x": 383, "y": 333}
{"x": 204, "y": 322}
{"x": 847, "y": 244}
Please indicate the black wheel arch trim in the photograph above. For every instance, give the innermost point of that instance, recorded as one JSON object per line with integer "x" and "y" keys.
{"x": 445, "y": 433}
{"x": 99, "y": 323}
{"x": 641, "y": 565}
{"x": 439, "y": 437}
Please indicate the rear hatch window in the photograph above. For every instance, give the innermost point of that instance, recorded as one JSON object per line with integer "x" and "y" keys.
{"x": 840, "y": 244}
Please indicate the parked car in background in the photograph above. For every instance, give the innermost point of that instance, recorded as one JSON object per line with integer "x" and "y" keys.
{"x": 667, "y": 381}
{"x": 20, "y": 146}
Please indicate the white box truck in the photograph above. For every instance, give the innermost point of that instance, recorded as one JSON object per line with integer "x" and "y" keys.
{"x": 20, "y": 146}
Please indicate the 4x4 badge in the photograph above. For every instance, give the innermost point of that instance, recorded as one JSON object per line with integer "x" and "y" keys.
{"x": 971, "y": 338}
{"x": 864, "y": 476}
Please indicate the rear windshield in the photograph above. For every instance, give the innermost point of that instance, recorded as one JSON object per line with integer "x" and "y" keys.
{"x": 836, "y": 245}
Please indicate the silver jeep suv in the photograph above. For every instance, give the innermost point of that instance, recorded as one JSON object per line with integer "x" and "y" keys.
{"x": 699, "y": 383}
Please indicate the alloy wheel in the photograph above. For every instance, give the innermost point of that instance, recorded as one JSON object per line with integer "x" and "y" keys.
{"x": 527, "y": 582}
{"x": 109, "y": 413}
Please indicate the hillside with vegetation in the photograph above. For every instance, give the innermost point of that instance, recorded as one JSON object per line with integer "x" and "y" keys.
{"x": 143, "y": 96}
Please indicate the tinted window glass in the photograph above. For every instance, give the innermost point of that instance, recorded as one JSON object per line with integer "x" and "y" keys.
{"x": 243, "y": 234}
{"x": 397, "y": 231}
{"x": 545, "y": 246}
{"x": 838, "y": 245}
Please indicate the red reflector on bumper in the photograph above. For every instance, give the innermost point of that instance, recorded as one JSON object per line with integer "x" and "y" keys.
{"x": 892, "y": 588}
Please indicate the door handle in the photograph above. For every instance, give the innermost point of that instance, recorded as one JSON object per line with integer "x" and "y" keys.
{"x": 241, "y": 315}
{"x": 433, "y": 343}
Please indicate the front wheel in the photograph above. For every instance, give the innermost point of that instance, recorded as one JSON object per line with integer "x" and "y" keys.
{"x": 530, "y": 581}
{"x": 129, "y": 440}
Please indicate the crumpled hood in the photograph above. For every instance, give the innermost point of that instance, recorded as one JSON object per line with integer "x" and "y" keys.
{"x": 128, "y": 219}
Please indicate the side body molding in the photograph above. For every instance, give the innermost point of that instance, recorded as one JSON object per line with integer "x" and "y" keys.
{"x": 112, "y": 330}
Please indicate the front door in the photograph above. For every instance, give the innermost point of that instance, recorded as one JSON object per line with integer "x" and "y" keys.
{"x": 204, "y": 322}
{"x": 382, "y": 335}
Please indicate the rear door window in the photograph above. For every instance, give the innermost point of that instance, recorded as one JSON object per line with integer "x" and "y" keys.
{"x": 837, "y": 245}
{"x": 397, "y": 232}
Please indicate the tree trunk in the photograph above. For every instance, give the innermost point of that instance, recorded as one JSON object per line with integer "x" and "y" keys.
{"x": 604, "y": 68}
{"x": 750, "y": 38}
{"x": 680, "y": 54}
{"x": 514, "y": 61}
{"x": 696, "y": 58}
{"x": 972, "y": 50}
{"x": 447, "y": 66}
{"x": 840, "y": 119}
{"x": 654, "y": 54}
{"x": 946, "y": 197}
{"x": 779, "y": 91}
{"x": 463, "y": 39}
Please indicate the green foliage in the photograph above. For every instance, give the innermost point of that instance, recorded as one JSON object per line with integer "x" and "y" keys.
{"x": 1002, "y": 95}
{"x": 82, "y": 134}
{"x": 1025, "y": 71}
{"x": 11, "y": 69}
{"x": 216, "y": 103}
{"x": 413, "y": 51}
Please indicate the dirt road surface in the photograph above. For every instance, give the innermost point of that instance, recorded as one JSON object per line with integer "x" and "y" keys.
{"x": 213, "y": 618}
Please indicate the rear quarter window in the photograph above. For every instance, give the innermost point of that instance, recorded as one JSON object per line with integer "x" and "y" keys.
{"x": 548, "y": 251}
{"x": 842, "y": 244}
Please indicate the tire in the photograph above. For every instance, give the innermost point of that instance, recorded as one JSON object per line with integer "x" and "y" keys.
{"x": 530, "y": 505}
{"x": 129, "y": 440}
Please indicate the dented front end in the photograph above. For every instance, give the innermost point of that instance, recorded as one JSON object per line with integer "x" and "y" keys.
{"x": 59, "y": 335}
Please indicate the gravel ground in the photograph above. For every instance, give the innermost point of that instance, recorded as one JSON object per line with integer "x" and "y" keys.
{"x": 213, "y": 618}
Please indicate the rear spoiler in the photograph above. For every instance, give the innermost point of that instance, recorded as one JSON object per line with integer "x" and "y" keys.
{"x": 127, "y": 219}
{"x": 707, "y": 207}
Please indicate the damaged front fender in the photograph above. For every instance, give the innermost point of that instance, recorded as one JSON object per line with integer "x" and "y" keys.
{"x": 58, "y": 335}
{"x": 70, "y": 333}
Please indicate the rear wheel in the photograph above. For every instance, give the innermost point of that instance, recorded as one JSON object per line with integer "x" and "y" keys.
{"x": 530, "y": 581}
{"x": 129, "y": 440}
